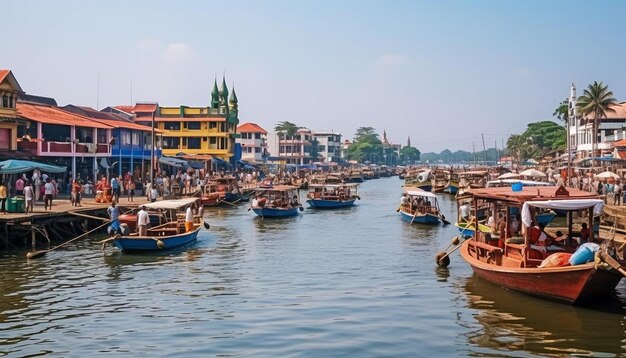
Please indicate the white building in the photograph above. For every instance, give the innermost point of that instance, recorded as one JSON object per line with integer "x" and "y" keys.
{"x": 610, "y": 129}
{"x": 298, "y": 149}
{"x": 328, "y": 146}
{"x": 253, "y": 140}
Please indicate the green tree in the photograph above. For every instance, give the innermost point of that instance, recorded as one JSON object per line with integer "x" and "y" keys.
{"x": 286, "y": 129}
{"x": 596, "y": 101}
{"x": 562, "y": 111}
{"x": 409, "y": 155}
{"x": 366, "y": 146}
{"x": 515, "y": 145}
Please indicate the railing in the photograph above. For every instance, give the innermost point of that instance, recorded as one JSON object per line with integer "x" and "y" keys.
{"x": 28, "y": 147}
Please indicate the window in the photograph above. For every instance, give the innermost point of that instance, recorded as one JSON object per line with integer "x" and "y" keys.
{"x": 257, "y": 150}
{"x": 321, "y": 148}
{"x": 125, "y": 138}
{"x": 193, "y": 143}
{"x": 257, "y": 135}
{"x": 212, "y": 140}
{"x": 173, "y": 126}
{"x": 212, "y": 125}
{"x": 102, "y": 136}
{"x": 135, "y": 138}
{"x": 84, "y": 134}
{"x": 171, "y": 142}
{"x": 194, "y": 125}
{"x": 55, "y": 132}
{"x": 5, "y": 101}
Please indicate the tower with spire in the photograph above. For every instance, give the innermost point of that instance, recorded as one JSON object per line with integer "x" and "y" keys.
{"x": 223, "y": 97}
{"x": 408, "y": 141}
{"x": 232, "y": 102}
{"x": 385, "y": 141}
{"x": 215, "y": 95}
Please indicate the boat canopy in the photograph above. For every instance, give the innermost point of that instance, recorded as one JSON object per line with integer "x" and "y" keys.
{"x": 569, "y": 205}
{"x": 278, "y": 188}
{"x": 171, "y": 204}
{"x": 419, "y": 192}
{"x": 352, "y": 185}
{"x": 16, "y": 166}
{"x": 513, "y": 181}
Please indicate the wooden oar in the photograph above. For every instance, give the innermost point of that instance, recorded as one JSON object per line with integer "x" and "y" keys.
{"x": 40, "y": 253}
{"x": 414, "y": 215}
{"x": 88, "y": 216}
{"x": 612, "y": 262}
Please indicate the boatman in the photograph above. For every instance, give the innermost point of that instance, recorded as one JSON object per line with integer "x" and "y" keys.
{"x": 189, "y": 218}
{"x": 114, "y": 215}
{"x": 143, "y": 220}
{"x": 464, "y": 211}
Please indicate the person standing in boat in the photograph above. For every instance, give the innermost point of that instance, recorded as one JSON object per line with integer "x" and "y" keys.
{"x": 189, "y": 218}
{"x": 114, "y": 215}
{"x": 143, "y": 220}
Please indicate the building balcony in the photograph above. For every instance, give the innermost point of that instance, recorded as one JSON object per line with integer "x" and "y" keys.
{"x": 27, "y": 147}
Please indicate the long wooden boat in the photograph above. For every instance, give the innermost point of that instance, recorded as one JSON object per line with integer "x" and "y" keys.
{"x": 514, "y": 263}
{"x": 211, "y": 195}
{"x": 169, "y": 235}
{"x": 277, "y": 201}
{"x": 332, "y": 196}
{"x": 452, "y": 186}
{"x": 420, "y": 180}
{"x": 419, "y": 207}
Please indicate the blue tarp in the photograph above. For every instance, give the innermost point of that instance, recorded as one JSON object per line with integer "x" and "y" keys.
{"x": 174, "y": 162}
{"x": 14, "y": 166}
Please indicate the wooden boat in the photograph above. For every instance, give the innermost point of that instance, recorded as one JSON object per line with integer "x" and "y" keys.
{"x": 277, "y": 202}
{"x": 169, "y": 235}
{"x": 420, "y": 207}
{"x": 515, "y": 265}
{"x": 211, "y": 196}
{"x": 229, "y": 186}
{"x": 452, "y": 186}
{"x": 332, "y": 196}
{"x": 472, "y": 180}
{"x": 420, "y": 180}
{"x": 439, "y": 181}
{"x": 354, "y": 176}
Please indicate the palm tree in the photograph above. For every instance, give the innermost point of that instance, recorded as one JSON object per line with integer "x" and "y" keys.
{"x": 515, "y": 145}
{"x": 287, "y": 129}
{"x": 597, "y": 101}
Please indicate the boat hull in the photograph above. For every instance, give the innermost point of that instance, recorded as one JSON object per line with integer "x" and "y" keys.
{"x": 275, "y": 213}
{"x": 452, "y": 188}
{"x": 144, "y": 244}
{"x": 428, "y": 219}
{"x": 570, "y": 284}
{"x": 329, "y": 204}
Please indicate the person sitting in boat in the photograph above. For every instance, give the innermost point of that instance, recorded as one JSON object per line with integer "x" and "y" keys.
{"x": 514, "y": 225}
{"x": 294, "y": 201}
{"x": 560, "y": 239}
{"x": 262, "y": 201}
{"x": 542, "y": 242}
{"x": 584, "y": 233}
{"x": 464, "y": 212}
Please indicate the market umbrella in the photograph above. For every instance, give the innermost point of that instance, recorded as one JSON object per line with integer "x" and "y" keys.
{"x": 532, "y": 173}
{"x": 508, "y": 176}
{"x": 607, "y": 175}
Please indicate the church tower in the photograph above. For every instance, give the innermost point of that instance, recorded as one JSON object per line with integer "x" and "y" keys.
{"x": 215, "y": 95}
{"x": 233, "y": 103}
{"x": 223, "y": 105}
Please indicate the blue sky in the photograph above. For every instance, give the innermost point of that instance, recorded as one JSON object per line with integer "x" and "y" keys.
{"x": 442, "y": 72}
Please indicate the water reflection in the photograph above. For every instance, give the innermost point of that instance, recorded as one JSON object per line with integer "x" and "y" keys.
{"x": 512, "y": 321}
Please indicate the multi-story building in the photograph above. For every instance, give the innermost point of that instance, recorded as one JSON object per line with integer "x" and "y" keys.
{"x": 609, "y": 130}
{"x": 207, "y": 131}
{"x": 253, "y": 140}
{"x": 294, "y": 149}
{"x": 9, "y": 92}
{"x": 328, "y": 145}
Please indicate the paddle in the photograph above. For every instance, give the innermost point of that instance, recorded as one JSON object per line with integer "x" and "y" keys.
{"x": 40, "y": 253}
{"x": 443, "y": 219}
{"x": 414, "y": 215}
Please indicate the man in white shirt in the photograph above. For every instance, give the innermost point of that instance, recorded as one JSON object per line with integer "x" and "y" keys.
{"x": 29, "y": 196}
{"x": 189, "y": 219}
{"x": 464, "y": 211}
{"x": 143, "y": 220}
{"x": 47, "y": 194}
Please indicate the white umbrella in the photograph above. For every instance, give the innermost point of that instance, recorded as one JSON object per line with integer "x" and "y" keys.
{"x": 607, "y": 175}
{"x": 508, "y": 176}
{"x": 532, "y": 173}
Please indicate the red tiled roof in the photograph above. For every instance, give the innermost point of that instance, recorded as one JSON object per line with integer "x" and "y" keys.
{"x": 126, "y": 124}
{"x": 249, "y": 127}
{"x": 620, "y": 143}
{"x": 3, "y": 74}
{"x": 127, "y": 109}
{"x": 53, "y": 115}
{"x": 145, "y": 107}
{"x": 622, "y": 154}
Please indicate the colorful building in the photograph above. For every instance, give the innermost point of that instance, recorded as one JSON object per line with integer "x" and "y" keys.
{"x": 253, "y": 140}
{"x": 206, "y": 131}
{"x": 9, "y": 92}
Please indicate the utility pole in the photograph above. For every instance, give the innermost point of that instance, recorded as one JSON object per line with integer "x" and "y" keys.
{"x": 474, "y": 151}
{"x": 495, "y": 145}
{"x": 484, "y": 148}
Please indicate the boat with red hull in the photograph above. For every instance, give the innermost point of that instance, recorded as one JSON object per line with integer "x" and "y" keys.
{"x": 515, "y": 260}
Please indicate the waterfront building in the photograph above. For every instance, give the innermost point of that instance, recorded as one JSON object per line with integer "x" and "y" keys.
{"x": 130, "y": 141}
{"x": 63, "y": 138}
{"x": 610, "y": 130}
{"x": 9, "y": 92}
{"x": 253, "y": 140}
{"x": 204, "y": 131}
{"x": 294, "y": 149}
{"x": 328, "y": 146}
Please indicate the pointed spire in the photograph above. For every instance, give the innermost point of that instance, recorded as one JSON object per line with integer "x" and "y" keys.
{"x": 408, "y": 142}
{"x": 224, "y": 89}
{"x": 215, "y": 92}
{"x": 233, "y": 97}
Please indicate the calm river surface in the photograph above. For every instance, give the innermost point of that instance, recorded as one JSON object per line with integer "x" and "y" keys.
{"x": 355, "y": 282}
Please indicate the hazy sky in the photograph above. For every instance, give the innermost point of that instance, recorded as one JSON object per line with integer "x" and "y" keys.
{"x": 442, "y": 72}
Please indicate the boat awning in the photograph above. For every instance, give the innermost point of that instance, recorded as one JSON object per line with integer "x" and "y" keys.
{"x": 419, "y": 192}
{"x": 174, "y": 162}
{"x": 15, "y": 166}
{"x": 524, "y": 182}
{"x": 171, "y": 204}
{"x": 569, "y": 205}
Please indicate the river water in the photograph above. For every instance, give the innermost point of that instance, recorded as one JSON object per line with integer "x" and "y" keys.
{"x": 355, "y": 282}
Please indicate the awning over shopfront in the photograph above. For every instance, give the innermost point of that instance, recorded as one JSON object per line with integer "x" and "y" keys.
{"x": 14, "y": 166}
{"x": 174, "y": 162}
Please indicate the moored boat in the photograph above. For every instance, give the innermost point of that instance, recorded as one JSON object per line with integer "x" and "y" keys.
{"x": 517, "y": 262}
{"x": 276, "y": 201}
{"x": 332, "y": 196}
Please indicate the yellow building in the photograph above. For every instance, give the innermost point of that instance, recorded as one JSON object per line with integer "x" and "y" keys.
{"x": 9, "y": 91}
{"x": 196, "y": 130}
